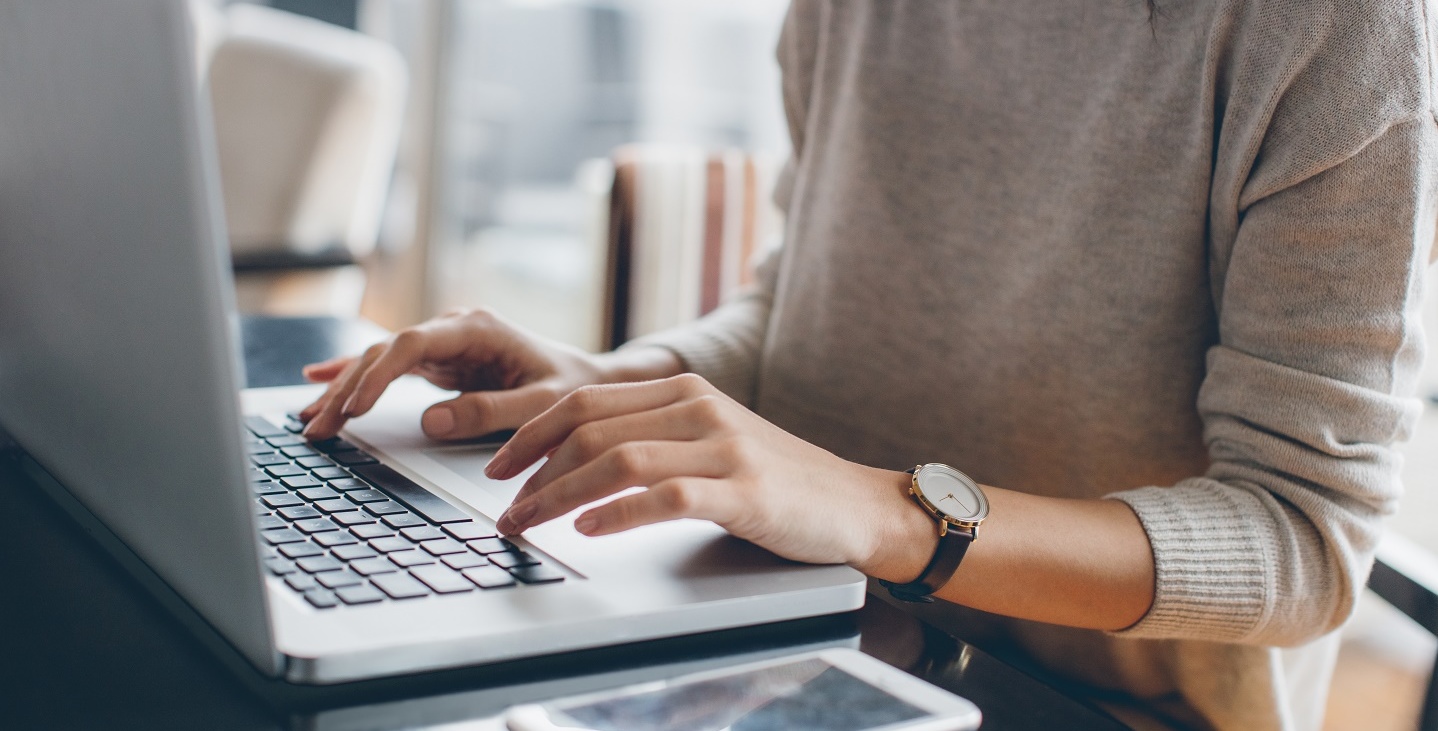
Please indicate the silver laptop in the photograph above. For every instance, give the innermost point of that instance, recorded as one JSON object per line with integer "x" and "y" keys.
{"x": 119, "y": 376}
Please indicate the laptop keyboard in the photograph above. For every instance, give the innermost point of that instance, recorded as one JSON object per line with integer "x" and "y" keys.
{"x": 342, "y": 529}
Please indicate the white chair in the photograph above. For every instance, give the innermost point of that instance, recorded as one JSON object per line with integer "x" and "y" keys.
{"x": 307, "y": 125}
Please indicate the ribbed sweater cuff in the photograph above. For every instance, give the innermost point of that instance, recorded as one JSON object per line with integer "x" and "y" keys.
{"x": 1213, "y": 555}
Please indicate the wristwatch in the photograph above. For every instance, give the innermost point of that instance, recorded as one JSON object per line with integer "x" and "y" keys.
{"x": 959, "y": 506}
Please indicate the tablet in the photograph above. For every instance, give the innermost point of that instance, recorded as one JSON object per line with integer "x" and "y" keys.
{"x": 830, "y": 690}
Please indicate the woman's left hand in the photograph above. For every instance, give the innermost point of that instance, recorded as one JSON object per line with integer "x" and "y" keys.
{"x": 703, "y": 455}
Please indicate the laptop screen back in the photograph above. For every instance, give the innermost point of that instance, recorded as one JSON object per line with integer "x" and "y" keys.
{"x": 118, "y": 366}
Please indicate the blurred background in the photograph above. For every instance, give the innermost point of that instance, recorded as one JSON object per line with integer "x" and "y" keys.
{"x": 591, "y": 169}
{"x": 493, "y": 128}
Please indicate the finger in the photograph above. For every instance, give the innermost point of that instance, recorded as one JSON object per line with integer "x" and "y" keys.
{"x": 405, "y": 351}
{"x": 591, "y": 403}
{"x": 325, "y": 371}
{"x": 424, "y": 348}
{"x": 633, "y": 464}
{"x": 676, "y": 422}
{"x": 481, "y": 412}
{"x": 328, "y": 421}
{"x": 309, "y": 412}
{"x": 680, "y": 497}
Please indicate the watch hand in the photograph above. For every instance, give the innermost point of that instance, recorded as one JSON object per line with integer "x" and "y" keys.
{"x": 956, "y": 499}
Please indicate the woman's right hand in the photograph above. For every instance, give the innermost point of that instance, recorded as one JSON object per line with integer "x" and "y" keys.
{"x": 506, "y": 375}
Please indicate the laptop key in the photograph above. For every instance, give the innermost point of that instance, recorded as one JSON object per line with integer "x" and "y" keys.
{"x": 464, "y": 560}
{"x": 300, "y": 582}
{"x": 317, "y": 525}
{"x": 317, "y": 564}
{"x": 353, "y": 551}
{"x": 471, "y": 530}
{"x": 351, "y": 517}
{"x": 299, "y": 450}
{"x": 321, "y": 598}
{"x": 284, "y": 440}
{"x": 317, "y": 493}
{"x": 282, "y": 501}
{"x": 536, "y": 574}
{"x": 344, "y": 482}
{"x": 410, "y": 558}
{"x": 489, "y": 577}
{"x": 390, "y": 544}
{"x": 366, "y": 496}
{"x": 442, "y": 547}
{"x": 410, "y": 493}
{"x": 400, "y": 586}
{"x": 372, "y": 566}
{"x": 338, "y": 505}
{"x": 329, "y": 473}
{"x": 441, "y": 579}
{"x": 362, "y": 594}
{"x": 282, "y": 535}
{"x": 334, "y": 444}
{"x": 266, "y": 488}
{"x": 353, "y": 459}
{"x": 301, "y": 550}
{"x": 337, "y": 579}
{"x": 422, "y": 533}
{"x": 512, "y": 559}
{"x": 402, "y": 520}
{"x": 300, "y": 512}
{"x": 270, "y": 522}
{"x": 338, "y": 538}
{"x": 301, "y": 480}
{"x": 280, "y": 566}
{"x": 262, "y": 427}
{"x": 284, "y": 470}
{"x": 370, "y": 530}
{"x": 489, "y": 545}
{"x": 315, "y": 462}
{"x": 385, "y": 507}
{"x": 268, "y": 458}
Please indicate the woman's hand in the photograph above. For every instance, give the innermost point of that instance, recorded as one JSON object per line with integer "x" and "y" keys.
{"x": 507, "y": 374}
{"x": 702, "y": 455}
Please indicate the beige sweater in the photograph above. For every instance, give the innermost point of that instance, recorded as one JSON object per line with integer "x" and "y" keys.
{"x": 1078, "y": 253}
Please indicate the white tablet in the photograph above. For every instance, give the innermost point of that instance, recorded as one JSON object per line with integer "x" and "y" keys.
{"x": 829, "y": 690}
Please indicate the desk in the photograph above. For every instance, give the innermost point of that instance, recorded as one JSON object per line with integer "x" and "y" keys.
{"x": 84, "y": 647}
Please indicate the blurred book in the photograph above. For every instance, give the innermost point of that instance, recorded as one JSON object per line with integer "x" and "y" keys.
{"x": 686, "y": 227}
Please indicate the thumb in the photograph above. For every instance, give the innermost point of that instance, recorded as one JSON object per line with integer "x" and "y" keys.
{"x": 480, "y": 412}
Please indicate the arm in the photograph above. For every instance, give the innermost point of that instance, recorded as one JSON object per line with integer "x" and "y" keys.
{"x": 1304, "y": 397}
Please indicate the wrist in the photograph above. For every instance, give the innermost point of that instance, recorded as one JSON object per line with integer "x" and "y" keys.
{"x": 628, "y": 365}
{"x": 904, "y": 535}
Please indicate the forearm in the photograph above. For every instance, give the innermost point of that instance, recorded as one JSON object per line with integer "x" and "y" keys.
{"x": 1080, "y": 563}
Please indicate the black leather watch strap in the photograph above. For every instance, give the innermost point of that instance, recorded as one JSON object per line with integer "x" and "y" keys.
{"x": 952, "y": 547}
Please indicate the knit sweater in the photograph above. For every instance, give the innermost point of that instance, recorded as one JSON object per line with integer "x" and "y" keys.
{"x": 1080, "y": 252}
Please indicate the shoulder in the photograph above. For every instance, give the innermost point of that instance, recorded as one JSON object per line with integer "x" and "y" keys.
{"x": 1306, "y": 84}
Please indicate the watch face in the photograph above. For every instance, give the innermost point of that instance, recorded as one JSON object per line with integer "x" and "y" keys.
{"x": 952, "y": 493}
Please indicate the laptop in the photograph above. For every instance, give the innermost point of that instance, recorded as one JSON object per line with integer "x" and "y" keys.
{"x": 363, "y": 557}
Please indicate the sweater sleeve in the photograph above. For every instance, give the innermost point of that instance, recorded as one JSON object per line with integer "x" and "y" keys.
{"x": 1306, "y": 392}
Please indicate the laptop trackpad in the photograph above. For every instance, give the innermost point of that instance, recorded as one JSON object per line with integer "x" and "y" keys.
{"x": 468, "y": 461}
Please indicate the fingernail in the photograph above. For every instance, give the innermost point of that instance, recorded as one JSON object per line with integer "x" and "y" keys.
{"x": 437, "y": 422}
{"x": 586, "y": 524}
{"x": 515, "y": 519}
{"x": 498, "y": 465}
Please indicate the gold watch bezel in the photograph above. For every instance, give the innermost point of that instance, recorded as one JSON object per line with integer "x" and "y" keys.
{"x": 945, "y": 520}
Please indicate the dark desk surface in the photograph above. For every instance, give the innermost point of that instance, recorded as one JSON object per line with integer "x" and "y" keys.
{"x": 82, "y": 646}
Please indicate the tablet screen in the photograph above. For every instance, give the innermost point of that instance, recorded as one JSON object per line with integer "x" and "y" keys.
{"x": 809, "y": 694}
